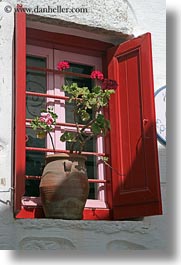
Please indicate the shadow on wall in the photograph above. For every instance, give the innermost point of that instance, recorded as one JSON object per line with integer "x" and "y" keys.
{"x": 8, "y": 236}
{"x": 46, "y": 243}
{"x": 119, "y": 245}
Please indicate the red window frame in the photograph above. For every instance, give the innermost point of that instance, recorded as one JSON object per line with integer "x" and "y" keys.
{"x": 122, "y": 201}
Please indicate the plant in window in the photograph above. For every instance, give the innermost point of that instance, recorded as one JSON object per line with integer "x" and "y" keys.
{"x": 64, "y": 186}
{"x": 83, "y": 101}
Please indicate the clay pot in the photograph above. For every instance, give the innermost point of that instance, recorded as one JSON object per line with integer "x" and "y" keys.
{"x": 64, "y": 186}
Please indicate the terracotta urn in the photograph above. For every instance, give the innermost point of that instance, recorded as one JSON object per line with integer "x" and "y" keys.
{"x": 64, "y": 186}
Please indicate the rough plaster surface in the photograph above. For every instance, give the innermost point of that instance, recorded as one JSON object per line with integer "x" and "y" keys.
{"x": 128, "y": 17}
{"x": 153, "y": 19}
{"x": 82, "y": 236}
{"x": 6, "y": 89}
{"x": 102, "y": 14}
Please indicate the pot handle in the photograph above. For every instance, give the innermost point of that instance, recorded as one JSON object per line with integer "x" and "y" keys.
{"x": 67, "y": 166}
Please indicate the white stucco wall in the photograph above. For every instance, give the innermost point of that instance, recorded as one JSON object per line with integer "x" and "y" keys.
{"x": 6, "y": 89}
{"x": 153, "y": 19}
{"x": 111, "y": 15}
{"x": 112, "y": 18}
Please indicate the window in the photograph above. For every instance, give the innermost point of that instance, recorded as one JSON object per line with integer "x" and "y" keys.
{"x": 40, "y": 83}
{"x": 131, "y": 144}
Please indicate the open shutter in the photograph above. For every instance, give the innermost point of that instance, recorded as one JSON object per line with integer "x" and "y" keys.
{"x": 136, "y": 192}
{"x": 20, "y": 107}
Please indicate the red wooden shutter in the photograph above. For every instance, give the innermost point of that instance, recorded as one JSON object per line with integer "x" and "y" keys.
{"x": 136, "y": 192}
{"x": 20, "y": 107}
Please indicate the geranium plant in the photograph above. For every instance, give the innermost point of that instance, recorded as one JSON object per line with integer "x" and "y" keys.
{"x": 44, "y": 124}
{"x": 84, "y": 102}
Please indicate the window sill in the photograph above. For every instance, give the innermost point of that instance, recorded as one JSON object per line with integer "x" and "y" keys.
{"x": 32, "y": 208}
{"x": 36, "y": 202}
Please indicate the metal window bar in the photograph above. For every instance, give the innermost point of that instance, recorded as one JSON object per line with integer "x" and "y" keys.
{"x": 48, "y": 70}
{"x": 60, "y": 151}
{"x": 89, "y": 180}
{"x": 58, "y": 124}
{"x": 28, "y": 93}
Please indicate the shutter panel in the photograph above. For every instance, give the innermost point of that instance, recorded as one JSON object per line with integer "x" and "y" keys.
{"x": 136, "y": 192}
{"x": 20, "y": 107}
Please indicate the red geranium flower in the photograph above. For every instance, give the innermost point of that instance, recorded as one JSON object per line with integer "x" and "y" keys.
{"x": 63, "y": 65}
{"x": 97, "y": 75}
{"x": 109, "y": 84}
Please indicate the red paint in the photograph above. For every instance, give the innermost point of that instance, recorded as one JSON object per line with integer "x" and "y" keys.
{"x": 20, "y": 107}
{"x": 132, "y": 147}
{"x": 89, "y": 180}
{"x": 30, "y": 213}
{"x": 66, "y": 42}
{"x": 96, "y": 214}
{"x": 60, "y": 124}
{"x": 61, "y": 151}
{"x": 134, "y": 144}
{"x": 47, "y": 70}
{"x": 28, "y": 93}
{"x": 88, "y": 214}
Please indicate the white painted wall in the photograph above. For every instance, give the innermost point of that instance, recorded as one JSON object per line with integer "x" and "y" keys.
{"x": 107, "y": 14}
{"x": 151, "y": 17}
{"x": 6, "y": 91}
{"x": 129, "y": 17}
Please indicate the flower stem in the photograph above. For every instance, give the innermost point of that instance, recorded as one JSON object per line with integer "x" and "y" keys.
{"x": 51, "y": 141}
{"x": 115, "y": 170}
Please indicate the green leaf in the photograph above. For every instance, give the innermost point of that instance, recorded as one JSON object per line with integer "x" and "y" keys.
{"x": 41, "y": 135}
{"x": 97, "y": 89}
{"x": 100, "y": 118}
{"x": 95, "y": 128}
{"x": 93, "y": 101}
{"x": 105, "y": 158}
{"x": 68, "y": 137}
{"x": 84, "y": 115}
